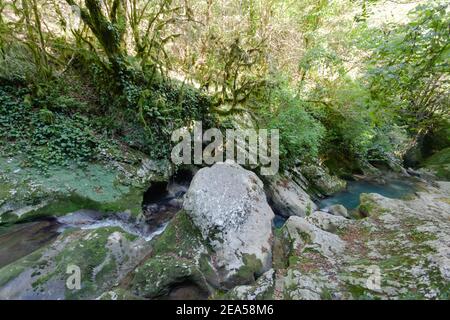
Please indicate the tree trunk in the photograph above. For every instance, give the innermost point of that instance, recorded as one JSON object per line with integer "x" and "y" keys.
{"x": 108, "y": 33}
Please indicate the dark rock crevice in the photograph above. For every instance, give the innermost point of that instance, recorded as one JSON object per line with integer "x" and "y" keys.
{"x": 164, "y": 199}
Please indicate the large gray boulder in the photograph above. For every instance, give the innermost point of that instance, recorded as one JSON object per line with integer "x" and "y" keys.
{"x": 338, "y": 210}
{"x": 400, "y": 251}
{"x": 322, "y": 181}
{"x": 228, "y": 205}
{"x": 288, "y": 197}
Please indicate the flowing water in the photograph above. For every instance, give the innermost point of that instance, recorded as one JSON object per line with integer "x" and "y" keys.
{"x": 161, "y": 202}
{"x": 349, "y": 198}
{"x": 393, "y": 187}
{"x": 22, "y": 239}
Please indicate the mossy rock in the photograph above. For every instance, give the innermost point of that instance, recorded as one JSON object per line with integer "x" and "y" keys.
{"x": 103, "y": 256}
{"x": 179, "y": 257}
{"x": 118, "y": 294}
{"x": 439, "y": 163}
{"x": 321, "y": 180}
{"x": 27, "y": 193}
{"x": 180, "y": 237}
{"x": 368, "y": 206}
{"x": 158, "y": 275}
{"x": 248, "y": 273}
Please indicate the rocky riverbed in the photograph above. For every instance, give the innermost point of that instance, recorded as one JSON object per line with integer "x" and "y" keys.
{"x": 222, "y": 242}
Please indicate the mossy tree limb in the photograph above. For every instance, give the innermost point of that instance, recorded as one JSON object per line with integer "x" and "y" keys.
{"x": 109, "y": 32}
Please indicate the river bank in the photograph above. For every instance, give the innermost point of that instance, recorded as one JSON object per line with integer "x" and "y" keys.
{"x": 316, "y": 255}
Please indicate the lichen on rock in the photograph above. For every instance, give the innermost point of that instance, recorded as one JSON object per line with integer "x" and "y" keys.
{"x": 288, "y": 197}
{"x": 228, "y": 205}
{"x": 27, "y": 193}
{"x": 103, "y": 256}
{"x": 178, "y": 256}
{"x": 399, "y": 251}
{"x": 321, "y": 180}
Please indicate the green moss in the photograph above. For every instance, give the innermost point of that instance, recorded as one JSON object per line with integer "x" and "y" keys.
{"x": 365, "y": 209}
{"x": 206, "y": 269}
{"x": 436, "y": 283}
{"x": 439, "y": 163}
{"x": 359, "y": 292}
{"x": 326, "y": 294}
{"x": 108, "y": 269}
{"x": 88, "y": 253}
{"x": 446, "y": 200}
{"x": 5, "y": 190}
{"x": 249, "y": 271}
{"x": 64, "y": 204}
{"x": 159, "y": 273}
{"x": 397, "y": 262}
{"x": 11, "y": 271}
{"x": 97, "y": 186}
{"x": 305, "y": 237}
{"x": 412, "y": 295}
{"x": 180, "y": 237}
{"x": 308, "y": 210}
{"x": 262, "y": 289}
{"x": 368, "y": 206}
{"x": 179, "y": 254}
{"x": 419, "y": 237}
{"x": 38, "y": 285}
{"x": 293, "y": 260}
{"x": 439, "y": 158}
{"x": 408, "y": 197}
{"x": 129, "y": 201}
{"x": 61, "y": 206}
{"x": 279, "y": 256}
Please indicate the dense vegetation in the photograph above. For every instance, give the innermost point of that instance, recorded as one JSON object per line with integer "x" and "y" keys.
{"x": 342, "y": 85}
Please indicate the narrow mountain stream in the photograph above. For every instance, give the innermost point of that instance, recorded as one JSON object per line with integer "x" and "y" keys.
{"x": 22, "y": 239}
{"x": 394, "y": 188}
{"x": 161, "y": 202}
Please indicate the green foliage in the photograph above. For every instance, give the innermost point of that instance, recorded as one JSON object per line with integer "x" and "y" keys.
{"x": 333, "y": 85}
{"x": 300, "y": 133}
{"x": 46, "y": 116}
{"x": 167, "y": 107}
{"x": 51, "y": 96}
{"x": 44, "y": 138}
{"x": 439, "y": 163}
{"x": 319, "y": 56}
{"x": 410, "y": 67}
{"x": 16, "y": 64}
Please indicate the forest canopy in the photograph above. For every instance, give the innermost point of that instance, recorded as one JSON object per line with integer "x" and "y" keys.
{"x": 342, "y": 83}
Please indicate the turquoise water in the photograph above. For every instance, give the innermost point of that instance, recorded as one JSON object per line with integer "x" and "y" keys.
{"x": 393, "y": 188}
{"x": 279, "y": 221}
{"x": 349, "y": 198}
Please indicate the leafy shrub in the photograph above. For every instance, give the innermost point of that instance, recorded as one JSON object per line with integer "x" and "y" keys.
{"x": 356, "y": 128}
{"x": 300, "y": 133}
{"x": 144, "y": 114}
{"x": 408, "y": 71}
{"x": 42, "y": 137}
{"x": 16, "y": 64}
